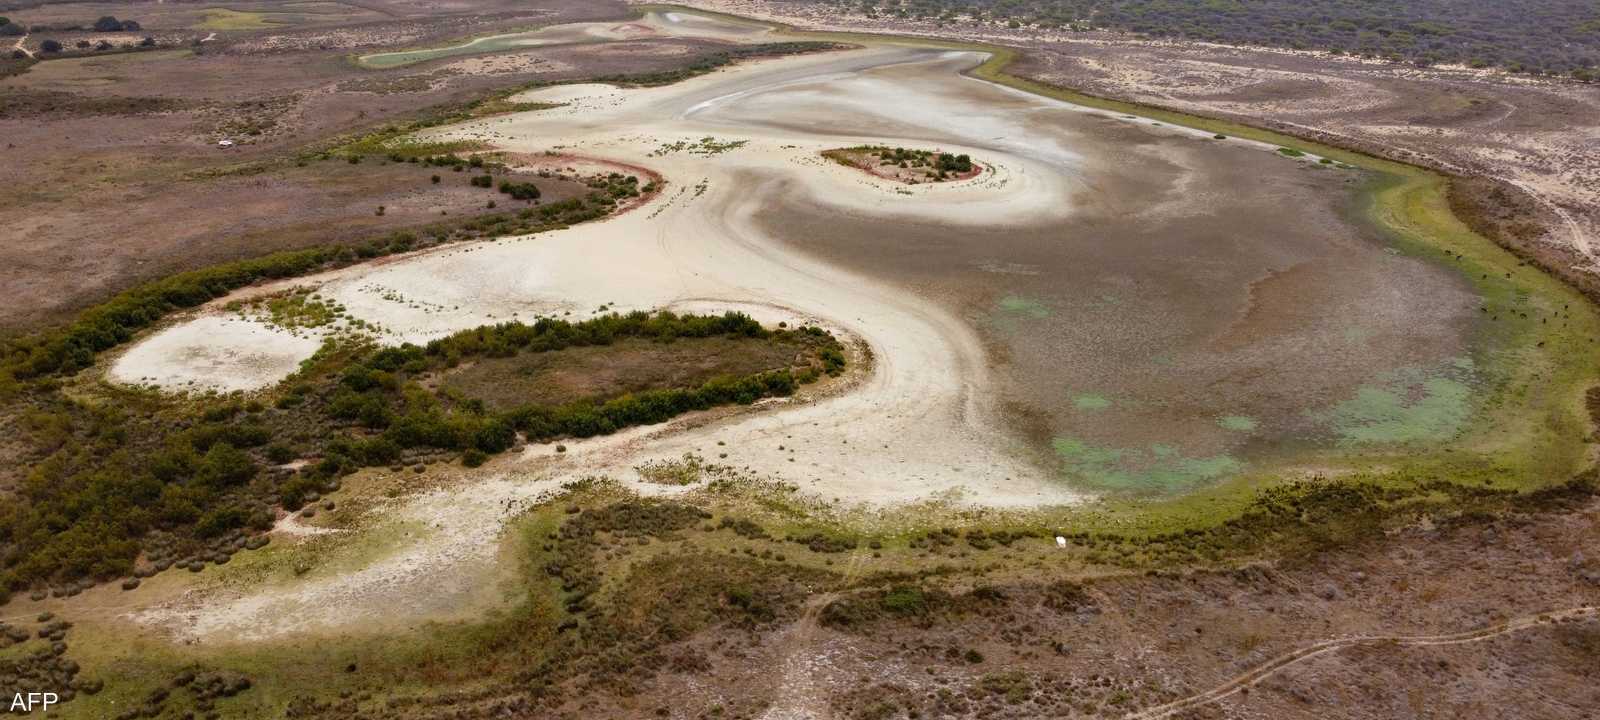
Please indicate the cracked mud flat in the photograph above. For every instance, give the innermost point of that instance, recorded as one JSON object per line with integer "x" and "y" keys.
{"x": 931, "y": 415}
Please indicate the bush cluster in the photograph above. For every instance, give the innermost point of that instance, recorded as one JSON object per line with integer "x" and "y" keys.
{"x": 198, "y": 477}
{"x": 1539, "y": 36}
{"x": 520, "y": 190}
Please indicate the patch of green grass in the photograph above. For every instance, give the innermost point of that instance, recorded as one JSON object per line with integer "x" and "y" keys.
{"x": 1237, "y": 423}
{"x": 1090, "y": 402}
{"x": 474, "y": 46}
{"x": 1158, "y": 469}
{"x": 1024, "y": 307}
{"x": 1409, "y": 407}
{"x": 391, "y": 142}
{"x": 224, "y": 19}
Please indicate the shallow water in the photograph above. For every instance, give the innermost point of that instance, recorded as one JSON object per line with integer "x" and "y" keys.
{"x": 1200, "y": 307}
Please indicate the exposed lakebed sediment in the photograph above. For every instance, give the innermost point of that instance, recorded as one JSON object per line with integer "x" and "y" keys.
{"x": 1110, "y": 304}
{"x": 1110, "y": 301}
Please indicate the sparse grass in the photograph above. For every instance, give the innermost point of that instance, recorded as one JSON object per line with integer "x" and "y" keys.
{"x": 300, "y": 308}
{"x": 686, "y": 470}
{"x": 704, "y": 146}
{"x": 592, "y": 572}
{"x": 391, "y": 141}
{"x": 500, "y": 106}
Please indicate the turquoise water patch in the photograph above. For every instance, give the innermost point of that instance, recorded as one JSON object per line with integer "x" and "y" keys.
{"x": 1026, "y": 307}
{"x": 1409, "y": 405}
{"x": 1237, "y": 423}
{"x": 1160, "y": 468}
{"x": 1090, "y": 402}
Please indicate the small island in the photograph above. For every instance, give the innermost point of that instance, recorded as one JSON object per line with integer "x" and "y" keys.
{"x": 909, "y": 166}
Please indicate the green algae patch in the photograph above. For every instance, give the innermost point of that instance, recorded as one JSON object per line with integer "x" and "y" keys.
{"x": 1018, "y": 305}
{"x": 1238, "y": 423}
{"x": 1410, "y": 407}
{"x": 1160, "y": 468}
{"x": 1091, "y": 402}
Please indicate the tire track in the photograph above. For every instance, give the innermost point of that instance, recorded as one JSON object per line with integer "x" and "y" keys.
{"x": 1294, "y": 657}
{"x": 799, "y": 697}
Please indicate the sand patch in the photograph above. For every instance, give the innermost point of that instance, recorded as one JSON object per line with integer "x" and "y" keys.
{"x": 215, "y": 352}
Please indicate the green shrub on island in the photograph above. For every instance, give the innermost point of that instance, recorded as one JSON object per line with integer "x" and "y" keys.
{"x": 909, "y": 165}
{"x": 520, "y": 190}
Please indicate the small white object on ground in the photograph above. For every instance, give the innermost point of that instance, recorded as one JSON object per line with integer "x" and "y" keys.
{"x": 1061, "y": 541}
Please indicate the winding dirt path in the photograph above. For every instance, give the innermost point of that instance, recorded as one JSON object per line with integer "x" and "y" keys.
{"x": 800, "y": 695}
{"x": 1293, "y": 657}
{"x": 19, "y": 46}
{"x": 1575, "y": 234}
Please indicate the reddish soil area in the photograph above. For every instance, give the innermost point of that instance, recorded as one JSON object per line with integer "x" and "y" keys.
{"x": 113, "y": 172}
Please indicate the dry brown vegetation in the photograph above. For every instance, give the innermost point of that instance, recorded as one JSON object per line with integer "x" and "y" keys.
{"x": 598, "y": 374}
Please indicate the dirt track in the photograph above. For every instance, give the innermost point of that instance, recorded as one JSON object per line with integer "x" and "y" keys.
{"x": 1271, "y": 667}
